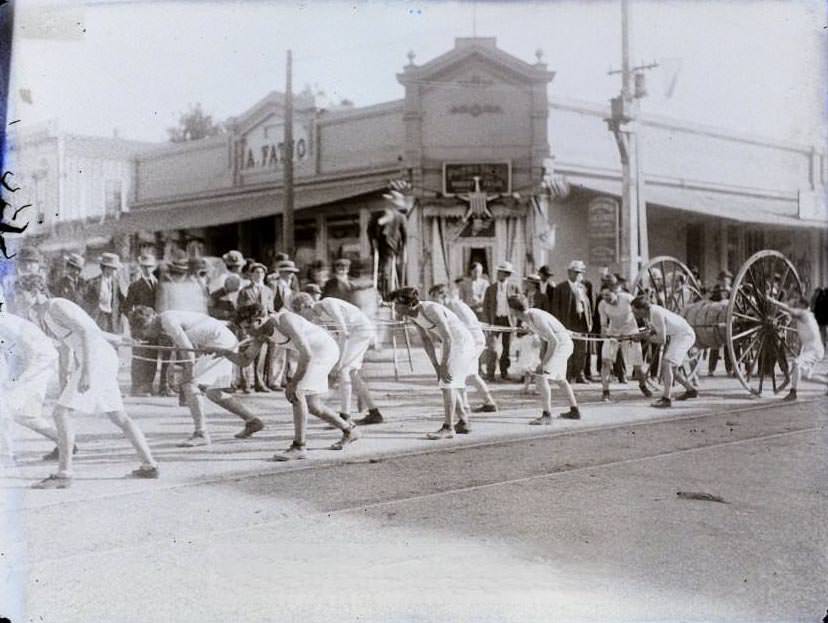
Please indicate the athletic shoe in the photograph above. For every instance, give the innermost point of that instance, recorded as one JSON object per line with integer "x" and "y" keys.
{"x": 53, "y": 482}
{"x": 373, "y": 417}
{"x": 790, "y": 397}
{"x": 348, "y": 437}
{"x": 544, "y": 420}
{"x": 605, "y": 396}
{"x": 445, "y": 432}
{"x": 145, "y": 472}
{"x": 250, "y": 428}
{"x": 194, "y": 440}
{"x": 462, "y": 427}
{"x": 296, "y": 452}
{"x": 662, "y": 403}
{"x": 573, "y": 414}
{"x": 688, "y": 395}
{"x": 54, "y": 455}
{"x": 485, "y": 409}
{"x": 645, "y": 390}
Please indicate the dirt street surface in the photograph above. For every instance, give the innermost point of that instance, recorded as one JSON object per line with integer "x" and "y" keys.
{"x": 579, "y": 521}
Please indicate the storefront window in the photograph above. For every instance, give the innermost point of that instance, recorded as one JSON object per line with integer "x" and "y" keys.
{"x": 343, "y": 237}
{"x": 305, "y": 240}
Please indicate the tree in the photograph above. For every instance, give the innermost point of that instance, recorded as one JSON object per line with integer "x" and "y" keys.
{"x": 194, "y": 125}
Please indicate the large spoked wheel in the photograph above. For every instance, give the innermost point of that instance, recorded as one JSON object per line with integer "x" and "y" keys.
{"x": 760, "y": 338}
{"x": 670, "y": 283}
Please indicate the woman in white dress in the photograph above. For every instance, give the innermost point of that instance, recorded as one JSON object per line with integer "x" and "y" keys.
{"x": 435, "y": 323}
{"x": 317, "y": 354}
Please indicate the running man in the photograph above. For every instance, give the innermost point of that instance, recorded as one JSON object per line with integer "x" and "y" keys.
{"x": 666, "y": 327}
{"x": 812, "y": 350}
{"x": 556, "y": 348}
{"x": 355, "y": 332}
{"x": 29, "y": 363}
{"x": 451, "y": 300}
{"x": 435, "y": 322}
{"x": 93, "y": 384}
{"x": 617, "y": 318}
{"x": 317, "y": 354}
{"x": 205, "y": 374}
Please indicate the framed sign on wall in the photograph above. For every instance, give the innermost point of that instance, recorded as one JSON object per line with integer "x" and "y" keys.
{"x": 495, "y": 177}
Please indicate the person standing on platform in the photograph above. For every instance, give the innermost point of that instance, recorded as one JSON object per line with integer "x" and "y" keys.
{"x": 496, "y": 313}
{"x": 573, "y": 309}
{"x": 143, "y": 291}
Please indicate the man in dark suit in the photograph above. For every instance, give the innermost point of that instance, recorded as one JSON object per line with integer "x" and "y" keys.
{"x": 258, "y": 292}
{"x": 572, "y": 306}
{"x": 547, "y": 289}
{"x": 496, "y": 313}
{"x": 105, "y": 294}
{"x": 339, "y": 286}
{"x": 71, "y": 286}
{"x": 143, "y": 291}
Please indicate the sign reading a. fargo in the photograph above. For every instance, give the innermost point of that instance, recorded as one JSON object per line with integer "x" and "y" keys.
{"x": 263, "y": 148}
{"x": 602, "y": 231}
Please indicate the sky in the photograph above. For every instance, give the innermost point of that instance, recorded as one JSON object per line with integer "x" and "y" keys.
{"x": 133, "y": 66}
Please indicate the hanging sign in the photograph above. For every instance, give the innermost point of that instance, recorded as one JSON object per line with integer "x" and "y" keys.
{"x": 602, "y": 231}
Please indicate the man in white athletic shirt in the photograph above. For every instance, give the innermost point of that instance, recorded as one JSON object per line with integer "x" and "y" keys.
{"x": 812, "y": 350}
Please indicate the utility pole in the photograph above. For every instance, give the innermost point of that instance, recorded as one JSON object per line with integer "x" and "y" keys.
{"x": 288, "y": 237}
{"x": 624, "y": 125}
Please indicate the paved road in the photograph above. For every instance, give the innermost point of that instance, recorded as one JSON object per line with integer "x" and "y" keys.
{"x": 580, "y": 524}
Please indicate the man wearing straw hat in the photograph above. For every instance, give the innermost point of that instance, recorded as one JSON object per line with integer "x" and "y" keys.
{"x": 258, "y": 292}
{"x": 198, "y": 336}
{"x": 496, "y": 313}
{"x": 70, "y": 286}
{"x": 105, "y": 294}
{"x": 143, "y": 291}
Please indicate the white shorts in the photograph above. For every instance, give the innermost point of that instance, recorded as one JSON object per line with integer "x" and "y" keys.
{"x": 24, "y": 395}
{"x": 320, "y": 365}
{"x": 213, "y": 372}
{"x": 630, "y": 352}
{"x": 353, "y": 352}
{"x": 809, "y": 356}
{"x": 462, "y": 359}
{"x": 104, "y": 394}
{"x": 678, "y": 348}
{"x": 479, "y": 348}
{"x": 556, "y": 366}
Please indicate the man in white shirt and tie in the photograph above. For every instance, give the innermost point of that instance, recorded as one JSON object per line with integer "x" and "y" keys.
{"x": 496, "y": 313}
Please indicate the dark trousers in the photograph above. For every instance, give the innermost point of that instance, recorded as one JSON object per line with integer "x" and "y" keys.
{"x": 577, "y": 362}
{"x": 506, "y": 340}
{"x": 713, "y": 360}
{"x": 142, "y": 372}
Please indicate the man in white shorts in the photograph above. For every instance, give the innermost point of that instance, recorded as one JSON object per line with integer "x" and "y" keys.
{"x": 812, "y": 350}
{"x": 93, "y": 384}
{"x": 556, "y": 348}
{"x": 668, "y": 328}
{"x": 435, "y": 323}
{"x": 440, "y": 294}
{"x": 28, "y": 362}
{"x": 205, "y": 374}
{"x": 615, "y": 312}
{"x": 354, "y": 332}
{"x": 316, "y": 353}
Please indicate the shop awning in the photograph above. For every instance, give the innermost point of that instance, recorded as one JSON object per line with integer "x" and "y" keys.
{"x": 778, "y": 211}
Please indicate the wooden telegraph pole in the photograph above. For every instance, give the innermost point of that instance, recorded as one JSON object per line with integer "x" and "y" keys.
{"x": 624, "y": 125}
{"x": 288, "y": 237}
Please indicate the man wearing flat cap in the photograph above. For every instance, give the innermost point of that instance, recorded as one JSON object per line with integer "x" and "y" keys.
{"x": 70, "y": 286}
{"x": 106, "y": 294}
{"x": 573, "y": 307}
{"x": 339, "y": 285}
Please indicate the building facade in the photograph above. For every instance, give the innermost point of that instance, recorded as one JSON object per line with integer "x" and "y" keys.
{"x": 503, "y": 170}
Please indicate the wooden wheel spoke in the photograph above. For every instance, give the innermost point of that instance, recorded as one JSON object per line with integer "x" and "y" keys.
{"x": 745, "y": 333}
{"x": 746, "y": 317}
{"x": 761, "y": 366}
{"x": 753, "y": 342}
{"x": 749, "y": 303}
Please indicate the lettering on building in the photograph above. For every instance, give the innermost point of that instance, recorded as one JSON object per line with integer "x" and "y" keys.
{"x": 602, "y": 231}
{"x": 475, "y": 110}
